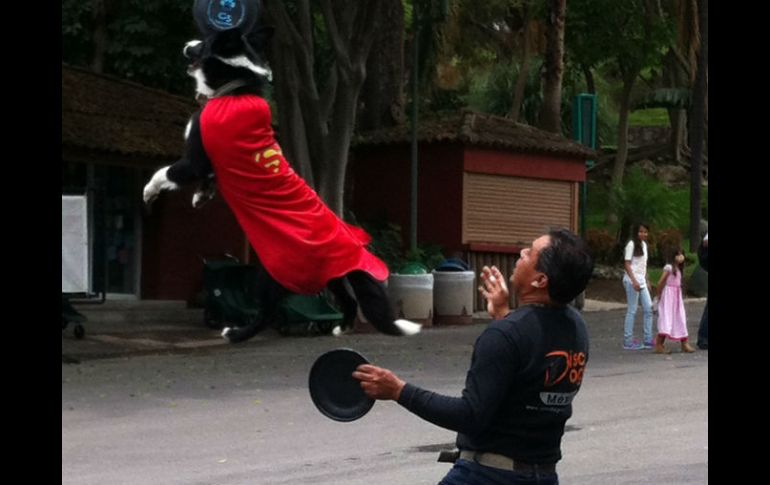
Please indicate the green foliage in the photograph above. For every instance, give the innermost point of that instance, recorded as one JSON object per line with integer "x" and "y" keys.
{"x": 642, "y": 198}
{"x": 649, "y": 117}
{"x": 492, "y": 92}
{"x": 387, "y": 244}
{"x": 665, "y": 98}
{"x": 428, "y": 254}
{"x": 144, "y": 40}
{"x": 625, "y": 32}
{"x": 603, "y": 245}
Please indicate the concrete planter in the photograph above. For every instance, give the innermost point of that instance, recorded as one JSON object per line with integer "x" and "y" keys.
{"x": 412, "y": 297}
{"x": 453, "y": 297}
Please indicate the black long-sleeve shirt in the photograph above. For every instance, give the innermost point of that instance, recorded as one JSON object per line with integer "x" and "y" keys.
{"x": 525, "y": 371}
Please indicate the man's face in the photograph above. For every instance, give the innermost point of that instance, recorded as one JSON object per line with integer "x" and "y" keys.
{"x": 524, "y": 273}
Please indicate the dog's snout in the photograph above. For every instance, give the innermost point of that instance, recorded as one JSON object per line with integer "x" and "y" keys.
{"x": 193, "y": 50}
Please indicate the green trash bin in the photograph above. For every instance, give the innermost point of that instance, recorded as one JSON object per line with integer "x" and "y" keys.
{"x": 307, "y": 315}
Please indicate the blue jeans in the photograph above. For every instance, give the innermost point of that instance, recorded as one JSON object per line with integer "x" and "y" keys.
{"x": 466, "y": 472}
{"x": 633, "y": 300}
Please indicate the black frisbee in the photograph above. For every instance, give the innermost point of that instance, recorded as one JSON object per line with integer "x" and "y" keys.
{"x": 332, "y": 388}
{"x": 214, "y": 16}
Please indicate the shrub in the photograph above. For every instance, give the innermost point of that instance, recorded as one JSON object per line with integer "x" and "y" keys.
{"x": 665, "y": 241}
{"x": 387, "y": 244}
{"x": 602, "y": 244}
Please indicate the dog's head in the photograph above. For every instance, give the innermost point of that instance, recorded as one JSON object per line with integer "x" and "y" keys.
{"x": 228, "y": 56}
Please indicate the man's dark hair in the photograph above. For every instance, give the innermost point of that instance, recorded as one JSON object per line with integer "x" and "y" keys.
{"x": 568, "y": 264}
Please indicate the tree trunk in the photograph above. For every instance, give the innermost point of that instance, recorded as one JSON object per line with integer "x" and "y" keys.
{"x": 698, "y": 127}
{"x": 676, "y": 77}
{"x": 678, "y": 119}
{"x": 332, "y": 184}
{"x": 292, "y": 134}
{"x": 521, "y": 81}
{"x": 589, "y": 76}
{"x": 100, "y": 35}
{"x": 316, "y": 129}
{"x": 382, "y": 96}
{"x": 550, "y": 113}
{"x": 625, "y": 109}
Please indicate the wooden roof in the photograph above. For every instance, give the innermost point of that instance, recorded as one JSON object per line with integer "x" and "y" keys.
{"x": 109, "y": 115}
{"x": 480, "y": 129}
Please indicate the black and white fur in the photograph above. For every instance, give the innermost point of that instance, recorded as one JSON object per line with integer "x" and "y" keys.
{"x": 226, "y": 65}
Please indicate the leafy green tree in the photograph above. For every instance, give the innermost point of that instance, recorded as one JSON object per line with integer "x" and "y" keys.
{"x": 630, "y": 36}
{"x": 132, "y": 39}
{"x": 483, "y": 36}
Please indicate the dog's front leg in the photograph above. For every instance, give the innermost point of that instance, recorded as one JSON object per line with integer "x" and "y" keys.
{"x": 205, "y": 192}
{"x": 157, "y": 183}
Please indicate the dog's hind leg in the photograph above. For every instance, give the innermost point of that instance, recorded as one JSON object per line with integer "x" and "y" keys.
{"x": 374, "y": 305}
{"x": 345, "y": 299}
{"x": 268, "y": 294}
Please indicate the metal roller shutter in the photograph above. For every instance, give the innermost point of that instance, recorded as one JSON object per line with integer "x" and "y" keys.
{"x": 513, "y": 210}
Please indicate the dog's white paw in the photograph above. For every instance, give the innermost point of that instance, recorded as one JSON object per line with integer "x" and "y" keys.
{"x": 339, "y": 331}
{"x": 407, "y": 327}
{"x": 149, "y": 194}
{"x": 206, "y": 192}
{"x": 200, "y": 198}
{"x": 226, "y": 333}
{"x": 157, "y": 183}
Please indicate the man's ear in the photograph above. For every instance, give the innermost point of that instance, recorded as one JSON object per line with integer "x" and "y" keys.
{"x": 541, "y": 281}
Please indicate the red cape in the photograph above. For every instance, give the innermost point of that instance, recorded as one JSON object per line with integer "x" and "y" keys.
{"x": 299, "y": 241}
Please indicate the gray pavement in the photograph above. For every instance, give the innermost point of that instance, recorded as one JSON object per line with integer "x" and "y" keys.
{"x": 158, "y": 398}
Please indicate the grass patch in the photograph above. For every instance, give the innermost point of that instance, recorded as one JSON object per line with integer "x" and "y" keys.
{"x": 649, "y": 117}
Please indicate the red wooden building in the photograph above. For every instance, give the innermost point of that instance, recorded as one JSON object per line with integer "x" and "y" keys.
{"x": 487, "y": 186}
{"x": 115, "y": 134}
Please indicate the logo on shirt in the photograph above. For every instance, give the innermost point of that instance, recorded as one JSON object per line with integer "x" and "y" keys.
{"x": 563, "y": 375}
{"x": 564, "y": 364}
{"x": 557, "y": 398}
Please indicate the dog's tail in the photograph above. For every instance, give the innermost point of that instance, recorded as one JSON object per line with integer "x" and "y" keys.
{"x": 407, "y": 327}
{"x": 399, "y": 327}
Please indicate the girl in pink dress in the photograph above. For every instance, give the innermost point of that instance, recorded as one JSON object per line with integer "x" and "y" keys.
{"x": 672, "y": 321}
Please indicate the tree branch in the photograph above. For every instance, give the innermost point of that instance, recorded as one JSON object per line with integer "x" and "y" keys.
{"x": 341, "y": 53}
{"x": 305, "y": 25}
{"x": 363, "y": 37}
{"x": 279, "y": 15}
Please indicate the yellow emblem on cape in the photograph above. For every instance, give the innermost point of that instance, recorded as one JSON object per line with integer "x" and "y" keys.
{"x": 270, "y": 157}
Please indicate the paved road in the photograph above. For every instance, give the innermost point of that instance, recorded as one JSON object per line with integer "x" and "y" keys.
{"x": 242, "y": 414}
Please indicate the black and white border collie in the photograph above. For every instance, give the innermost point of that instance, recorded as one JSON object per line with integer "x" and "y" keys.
{"x": 226, "y": 64}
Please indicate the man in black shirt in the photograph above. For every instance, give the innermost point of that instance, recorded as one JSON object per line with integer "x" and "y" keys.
{"x": 526, "y": 368}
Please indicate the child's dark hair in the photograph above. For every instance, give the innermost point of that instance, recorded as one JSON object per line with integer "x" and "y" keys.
{"x": 671, "y": 255}
{"x": 638, "y": 250}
